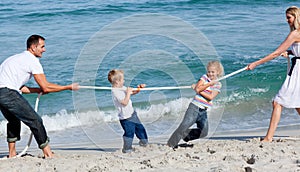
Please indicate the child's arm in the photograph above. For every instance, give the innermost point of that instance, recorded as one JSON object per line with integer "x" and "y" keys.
{"x": 211, "y": 96}
{"x": 200, "y": 86}
{"x": 139, "y": 86}
{"x": 125, "y": 101}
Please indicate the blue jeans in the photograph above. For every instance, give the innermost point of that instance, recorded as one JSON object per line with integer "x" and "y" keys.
{"x": 193, "y": 115}
{"x": 15, "y": 109}
{"x": 133, "y": 126}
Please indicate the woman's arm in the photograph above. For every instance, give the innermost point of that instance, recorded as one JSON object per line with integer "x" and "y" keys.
{"x": 291, "y": 38}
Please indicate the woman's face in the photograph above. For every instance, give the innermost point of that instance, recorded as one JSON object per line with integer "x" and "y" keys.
{"x": 290, "y": 19}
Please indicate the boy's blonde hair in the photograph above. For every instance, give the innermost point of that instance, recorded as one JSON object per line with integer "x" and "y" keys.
{"x": 115, "y": 75}
{"x": 294, "y": 11}
{"x": 218, "y": 66}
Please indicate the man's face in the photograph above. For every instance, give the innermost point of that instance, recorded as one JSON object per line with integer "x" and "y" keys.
{"x": 39, "y": 49}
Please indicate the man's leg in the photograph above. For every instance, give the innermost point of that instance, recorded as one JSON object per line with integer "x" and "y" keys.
{"x": 19, "y": 108}
{"x": 13, "y": 131}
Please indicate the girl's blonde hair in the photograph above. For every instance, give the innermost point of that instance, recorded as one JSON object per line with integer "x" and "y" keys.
{"x": 115, "y": 75}
{"x": 294, "y": 11}
{"x": 218, "y": 66}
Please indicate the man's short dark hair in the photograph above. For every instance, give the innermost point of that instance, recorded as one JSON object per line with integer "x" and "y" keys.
{"x": 34, "y": 40}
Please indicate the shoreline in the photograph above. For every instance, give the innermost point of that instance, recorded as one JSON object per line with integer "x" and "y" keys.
{"x": 224, "y": 151}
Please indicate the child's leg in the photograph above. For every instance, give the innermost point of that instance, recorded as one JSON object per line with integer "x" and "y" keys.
{"x": 141, "y": 133}
{"x": 128, "y": 135}
{"x": 140, "y": 130}
{"x": 202, "y": 127}
{"x": 182, "y": 131}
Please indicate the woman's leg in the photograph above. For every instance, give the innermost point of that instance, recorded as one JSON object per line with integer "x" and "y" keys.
{"x": 277, "y": 108}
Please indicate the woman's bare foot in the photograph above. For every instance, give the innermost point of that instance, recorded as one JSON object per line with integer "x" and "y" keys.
{"x": 266, "y": 140}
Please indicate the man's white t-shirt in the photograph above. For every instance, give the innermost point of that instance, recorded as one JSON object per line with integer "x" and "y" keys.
{"x": 124, "y": 112}
{"x": 16, "y": 70}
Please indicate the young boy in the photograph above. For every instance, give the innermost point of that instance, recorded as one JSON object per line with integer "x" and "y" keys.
{"x": 129, "y": 120}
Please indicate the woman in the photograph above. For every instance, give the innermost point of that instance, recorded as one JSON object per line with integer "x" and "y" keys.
{"x": 289, "y": 94}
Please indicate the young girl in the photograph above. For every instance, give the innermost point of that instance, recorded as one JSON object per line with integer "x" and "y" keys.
{"x": 206, "y": 90}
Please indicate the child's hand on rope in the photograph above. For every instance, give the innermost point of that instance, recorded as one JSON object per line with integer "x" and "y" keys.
{"x": 193, "y": 86}
{"x": 139, "y": 88}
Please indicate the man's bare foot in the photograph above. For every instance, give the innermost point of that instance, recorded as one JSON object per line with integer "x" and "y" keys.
{"x": 12, "y": 149}
{"x": 47, "y": 152}
{"x": 12, "y": 155}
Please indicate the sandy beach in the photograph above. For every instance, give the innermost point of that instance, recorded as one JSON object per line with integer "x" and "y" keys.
{"x": 231, "y": 151}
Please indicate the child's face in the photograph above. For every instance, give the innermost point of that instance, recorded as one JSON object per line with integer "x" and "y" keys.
{"x": 212, "y": 72}
{"x": 121, "y": 81}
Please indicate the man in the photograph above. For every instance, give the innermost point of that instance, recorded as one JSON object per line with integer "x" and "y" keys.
{"x": 15, "y": 72}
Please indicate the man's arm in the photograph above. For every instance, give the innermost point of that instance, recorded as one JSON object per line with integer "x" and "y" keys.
{"x": 28, "y": 90}
{"x": 48, "y": 87}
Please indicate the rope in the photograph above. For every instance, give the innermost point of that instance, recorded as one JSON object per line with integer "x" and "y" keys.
{"x": 159, "y": 88}
{"x": 135, "y": 89}
{"x": 231, "y": 74}
{"x": 31, "y": 135}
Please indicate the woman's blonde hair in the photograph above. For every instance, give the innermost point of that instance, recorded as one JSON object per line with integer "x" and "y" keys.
{"x": 294, "y": 11}
{"x": 218, "y": 66}
{"x": 115, "y": 75}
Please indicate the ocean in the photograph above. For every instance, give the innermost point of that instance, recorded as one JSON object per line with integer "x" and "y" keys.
{"x": 163, "y": 43}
